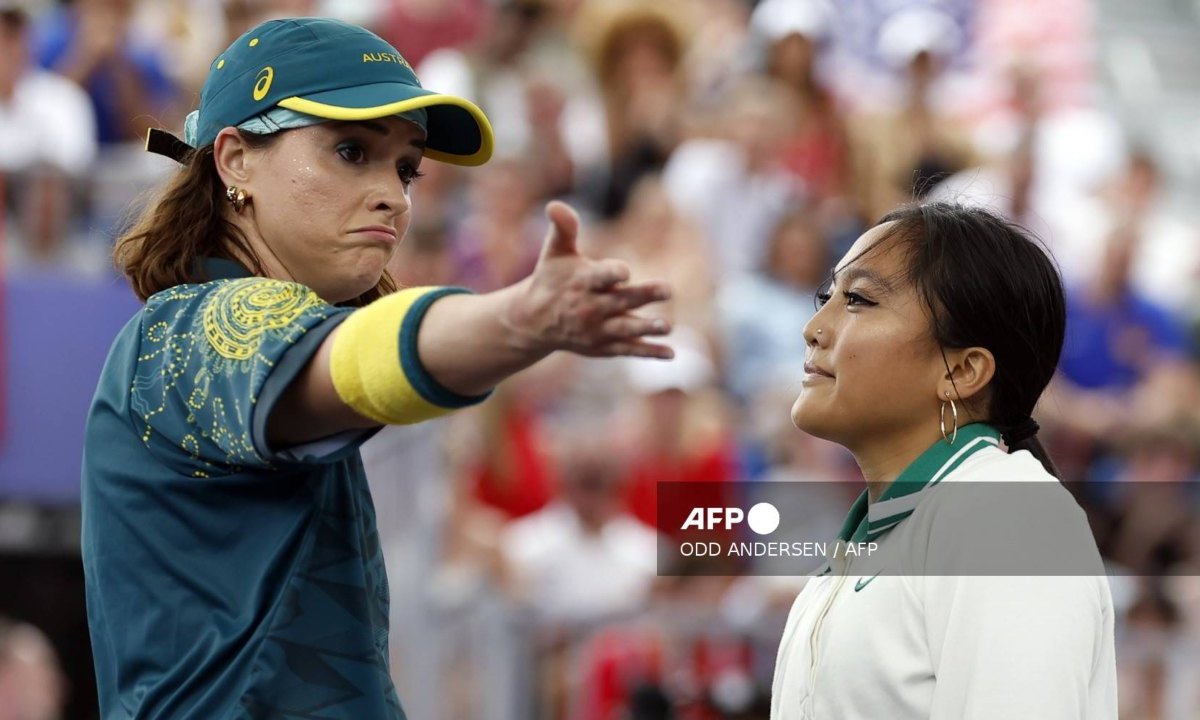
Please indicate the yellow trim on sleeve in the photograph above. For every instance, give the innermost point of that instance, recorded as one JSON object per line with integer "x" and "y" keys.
{"x": 366, "y": 364}
{"x": 333, "y": 112}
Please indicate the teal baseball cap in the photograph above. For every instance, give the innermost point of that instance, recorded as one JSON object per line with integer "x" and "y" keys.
{"x": 333, "y": 70}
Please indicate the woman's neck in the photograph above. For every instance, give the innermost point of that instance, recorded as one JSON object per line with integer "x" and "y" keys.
{"x": 272, "y": 266}
{"x": 883, "y": 459}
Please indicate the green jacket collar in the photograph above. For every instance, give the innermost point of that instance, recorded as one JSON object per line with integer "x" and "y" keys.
{"x": 867, "y": 521}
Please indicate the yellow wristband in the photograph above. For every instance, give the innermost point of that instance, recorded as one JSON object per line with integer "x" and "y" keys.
{"x": 375, "y": 365}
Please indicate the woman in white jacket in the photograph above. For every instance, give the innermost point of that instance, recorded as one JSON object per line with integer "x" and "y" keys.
{"x": 938, "y": 333}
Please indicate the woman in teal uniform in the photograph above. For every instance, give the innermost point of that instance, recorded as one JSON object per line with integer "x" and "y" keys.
{"x": 229, "y": 541}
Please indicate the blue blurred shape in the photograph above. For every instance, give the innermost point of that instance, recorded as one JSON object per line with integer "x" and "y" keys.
{"x": 58, "y": 327}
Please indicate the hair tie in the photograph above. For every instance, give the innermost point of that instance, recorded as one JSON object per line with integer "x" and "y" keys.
{"x": 1020, "y": 431}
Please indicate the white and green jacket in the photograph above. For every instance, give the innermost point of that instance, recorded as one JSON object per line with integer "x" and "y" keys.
{"x": 896, "y": 636}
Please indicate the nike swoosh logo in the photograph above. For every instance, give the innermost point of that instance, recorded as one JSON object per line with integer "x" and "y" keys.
{"x": 863, "y": 582}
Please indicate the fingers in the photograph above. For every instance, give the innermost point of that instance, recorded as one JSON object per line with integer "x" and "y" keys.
{"x": 636, "y": 348}
{"x": 564, "y": 229}
{"x": 631, "y": 327}
{"x": 624, "y": 298}
{"x": 607, "y": 273}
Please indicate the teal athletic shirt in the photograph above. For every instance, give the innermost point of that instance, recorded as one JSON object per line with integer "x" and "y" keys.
{"x": 224, "y": 579}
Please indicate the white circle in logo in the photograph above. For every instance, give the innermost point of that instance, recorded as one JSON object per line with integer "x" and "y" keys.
{"x": 763, "y": 518}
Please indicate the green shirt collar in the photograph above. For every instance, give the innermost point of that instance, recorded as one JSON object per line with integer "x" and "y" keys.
{"x": 867, "y": 521}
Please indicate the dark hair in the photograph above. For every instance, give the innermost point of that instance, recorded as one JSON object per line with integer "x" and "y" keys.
{"x": 186, "y": 220}
{"x": 987, "y": 283}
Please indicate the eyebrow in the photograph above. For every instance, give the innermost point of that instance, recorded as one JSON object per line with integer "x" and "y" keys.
{"x": 379, "y": 129}
{"x": 852, "y": 273}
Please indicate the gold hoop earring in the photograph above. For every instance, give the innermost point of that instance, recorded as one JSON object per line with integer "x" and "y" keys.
{"x": 942, "y": 419}
{"x": 237, "y": 196}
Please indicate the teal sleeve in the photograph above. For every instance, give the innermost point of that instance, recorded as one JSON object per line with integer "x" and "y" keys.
{"x": 213, "y": 359}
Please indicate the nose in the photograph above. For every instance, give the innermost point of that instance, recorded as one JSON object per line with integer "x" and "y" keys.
{"x": 390, "y": 196}
{"x": 817, "y": 332}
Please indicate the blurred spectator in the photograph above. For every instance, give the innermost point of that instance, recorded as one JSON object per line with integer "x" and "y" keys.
{"x": 659, "y": 241}
{"x": 498, "y": 242}
{"x": 716, "y": 57}
{"x": 622, "y": 675}
{"x": 510, "y": 471}
{"x": 551, "y": 158}
{"x": 1059, "y": 37}
{"x": 194, "y": 31}
{"x": 522, "y": 79}
{"x": 900, "y": 155}
{"x": 1154, "y": 508}
{"x": 582, "y": 558}
{"x": 240, "y": 16}
{"x": 423, "y": 258}
{"x": 795, "y": 32}
{"x": 676, "y": 428}
{"x": 677, "y": 658}
{"x": 1125, "y": 367}
{"x": 735, "y": 186}
{"x": 1182, "y": 695}
{"x": 638, "y": 49}
{"x": 1148, "y": 636}
{"x": 418, "y": 27}
{"x": 47, "y": 139}
{"x": 1007, "y": 183}
{"x": 31, "y": 684}
{"x": 1044, "y": 165}
{"x": 1164, "y": 261}
{"x": 1115, "y": 341}
{"x": 763, "y": 314}
{"x": 90, "y": 43}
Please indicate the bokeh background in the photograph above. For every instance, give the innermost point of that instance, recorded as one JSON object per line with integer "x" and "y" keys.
{"x": 733, "y": 147}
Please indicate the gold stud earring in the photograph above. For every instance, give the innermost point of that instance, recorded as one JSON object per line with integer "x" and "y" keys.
{"x": 942, "y": 419}
{"x": 237, "y": 196}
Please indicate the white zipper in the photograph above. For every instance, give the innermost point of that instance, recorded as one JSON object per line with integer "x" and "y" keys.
{"x": 814, "y": 638}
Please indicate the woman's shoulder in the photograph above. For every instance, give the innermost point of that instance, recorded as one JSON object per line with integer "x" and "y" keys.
{"x": 219, "y": 287}
{"x": 252, "y": 301}
{"x": 993, "y": 464}
{"x": 994, "y": 478}
{"x": 1003, "y": 514}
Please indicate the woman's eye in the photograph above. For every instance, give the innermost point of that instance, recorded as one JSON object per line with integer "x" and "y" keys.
{"x": 853, "y": 298}
{"x": 821, "y": 298}
{"x": 352, "y": 153}
{"x": 409, "y": 174}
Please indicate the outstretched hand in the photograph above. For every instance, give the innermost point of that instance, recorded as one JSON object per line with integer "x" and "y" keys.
{"x": 586, "y": 306}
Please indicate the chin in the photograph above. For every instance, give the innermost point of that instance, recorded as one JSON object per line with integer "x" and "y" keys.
{"x": 365, "y": 277}
{"x": 351, "y": 288}
{"x": 799, "y": 416}
{"x": 808, "y": 418}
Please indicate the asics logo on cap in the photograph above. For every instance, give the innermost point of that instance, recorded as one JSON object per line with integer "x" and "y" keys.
{"x": 262, "y": 83}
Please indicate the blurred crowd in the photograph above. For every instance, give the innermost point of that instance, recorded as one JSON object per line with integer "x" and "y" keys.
{"x": 735, "y": 148}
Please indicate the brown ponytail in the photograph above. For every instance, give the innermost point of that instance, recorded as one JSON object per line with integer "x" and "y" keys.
{"x": 184, "y": 221}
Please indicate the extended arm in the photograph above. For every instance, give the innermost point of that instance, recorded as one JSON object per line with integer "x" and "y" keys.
{"x": 466, "y": 344}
